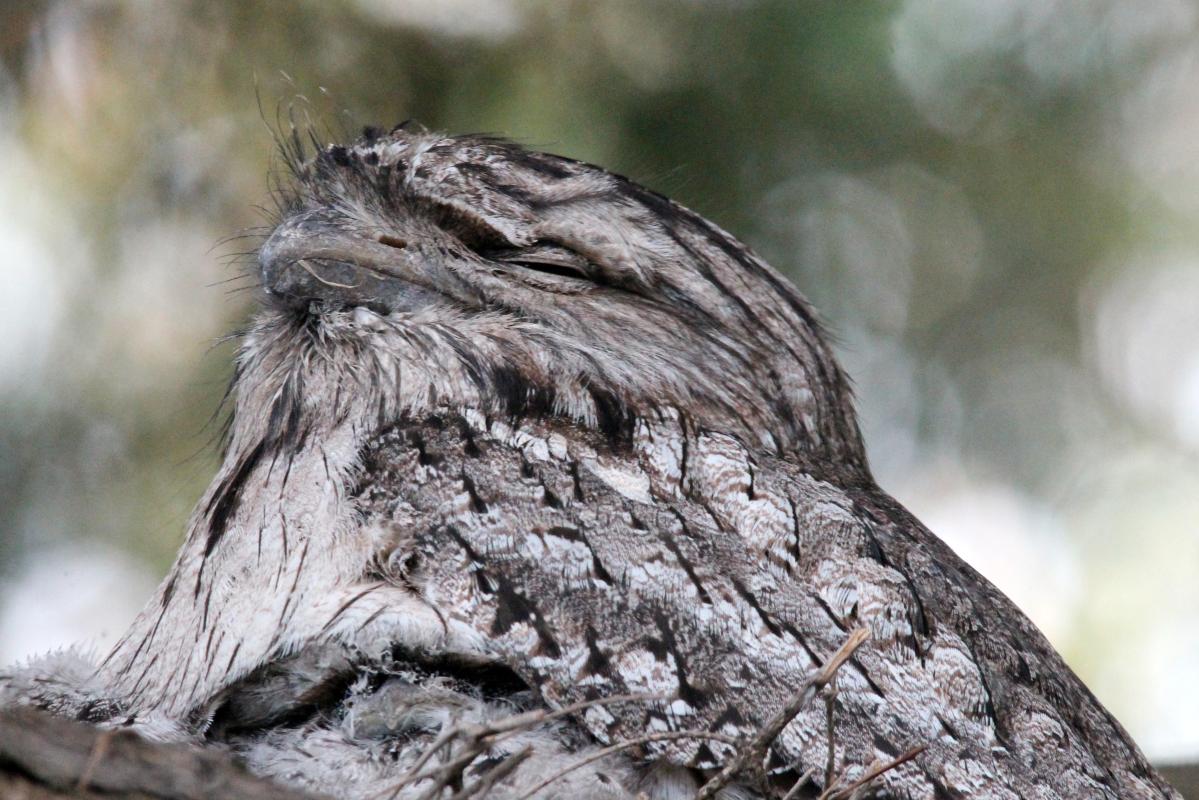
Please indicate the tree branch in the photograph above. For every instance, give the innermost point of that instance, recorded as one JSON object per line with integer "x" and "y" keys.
{"x": 43, "y": 756}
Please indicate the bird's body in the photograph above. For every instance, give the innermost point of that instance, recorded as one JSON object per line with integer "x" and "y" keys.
{"x": 512, "y": 411}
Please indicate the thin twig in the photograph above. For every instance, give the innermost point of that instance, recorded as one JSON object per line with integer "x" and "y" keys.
{"x": 830, "y": 764}
{"x": 837, "y": 793}
{"x": 494, "y": 732}
{"x": 99, "y": 749}
{"x": 450, "y": 773}
{"x": 481, "y": 787}
{"x": 518, "y": 722}
{"x": 755, "y": 750}
{"x": 441, "y": 741}
{"x": 616, "y": 748}
{"x": 800, "y": 782}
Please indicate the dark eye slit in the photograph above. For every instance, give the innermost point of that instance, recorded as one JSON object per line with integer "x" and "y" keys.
{"x": 548, "y": 258}
{"x": 552, "y": 269}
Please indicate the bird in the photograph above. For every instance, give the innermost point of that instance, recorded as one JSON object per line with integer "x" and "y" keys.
{"x": 513, "y": 437}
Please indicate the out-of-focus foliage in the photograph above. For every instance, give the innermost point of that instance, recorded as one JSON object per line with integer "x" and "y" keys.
{"x": 996, "y": 205}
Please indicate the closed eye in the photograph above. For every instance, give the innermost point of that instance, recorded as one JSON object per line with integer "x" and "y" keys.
{"x": 548, "y": 258}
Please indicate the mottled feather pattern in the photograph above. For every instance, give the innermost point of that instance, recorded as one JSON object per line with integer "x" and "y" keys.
{"x": 687, "y": 608}
{"x": 510, "y": 409}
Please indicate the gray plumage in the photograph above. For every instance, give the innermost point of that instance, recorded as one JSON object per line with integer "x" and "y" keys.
{"x": 510, "y": 411}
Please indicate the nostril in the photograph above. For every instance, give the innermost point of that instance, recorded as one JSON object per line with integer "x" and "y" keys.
{"x": 392, "y": 241}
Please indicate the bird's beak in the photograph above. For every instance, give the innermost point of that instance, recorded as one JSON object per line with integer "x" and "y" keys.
{"x": 307, "y": 258}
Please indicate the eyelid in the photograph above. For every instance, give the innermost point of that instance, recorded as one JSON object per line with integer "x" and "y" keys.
{"x": 548, "y": 257}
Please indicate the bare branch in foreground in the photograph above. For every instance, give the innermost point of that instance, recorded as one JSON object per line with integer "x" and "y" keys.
{"x": 663, "y": 736}
{"x": 481, "y": 787}
{"x": 753, "y": 753}
{"x": 63, "y": 758}
{"x": 838, "y": 792}
{"x": 475, "y": 740}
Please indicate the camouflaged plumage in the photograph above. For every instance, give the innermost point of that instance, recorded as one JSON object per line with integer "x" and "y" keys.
{"x": 512, "y": 409}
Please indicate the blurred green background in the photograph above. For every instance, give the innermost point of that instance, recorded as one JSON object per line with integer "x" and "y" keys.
{"x": 994, "y": 204}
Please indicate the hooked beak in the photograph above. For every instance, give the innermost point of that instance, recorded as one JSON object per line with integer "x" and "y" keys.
{"x": 309, "y": 259}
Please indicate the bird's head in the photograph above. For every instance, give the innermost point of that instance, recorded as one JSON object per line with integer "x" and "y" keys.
{"x": 554, "y": 283}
